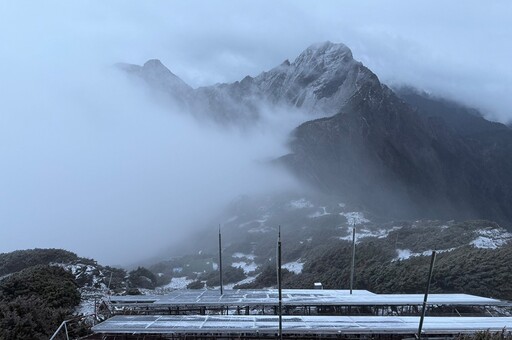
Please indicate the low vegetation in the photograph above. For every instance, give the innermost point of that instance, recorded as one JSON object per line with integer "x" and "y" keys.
{"x": 34, "y": 301}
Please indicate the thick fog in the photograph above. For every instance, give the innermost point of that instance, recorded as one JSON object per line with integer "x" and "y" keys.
{"x": 91, "y": 163}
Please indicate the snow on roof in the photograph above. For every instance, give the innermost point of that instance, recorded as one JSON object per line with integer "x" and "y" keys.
{"x": 299, "y": 297}
{"x": 168, "y": 324}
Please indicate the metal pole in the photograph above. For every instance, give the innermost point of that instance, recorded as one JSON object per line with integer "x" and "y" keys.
{"x": 353, "y": 257}
{"x": 220, "y": 263}
{"x": 66, "y": 328}
{"x": 432, "y": 260}
{"x": 110, "y": 280}
{"x": 279, "y": 284}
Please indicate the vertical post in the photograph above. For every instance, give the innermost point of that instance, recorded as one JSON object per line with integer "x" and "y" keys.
{"x": 432, "y": 260}
{"x": 66, "y": 328}
{"x": 110, "y": 281}
{"x": 353, "y": 257}
{"x": 220, "y": 263}
{"x": 279, "y": 285}
{"x": 95, "y": 311}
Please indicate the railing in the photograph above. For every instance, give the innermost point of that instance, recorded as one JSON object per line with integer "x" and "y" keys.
{"x": 64, "y": 325}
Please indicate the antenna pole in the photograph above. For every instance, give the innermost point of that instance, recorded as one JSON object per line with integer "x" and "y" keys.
{"x": 353, "y": 257}
{"x": 423, "y": 310}
{"x": 279, "y": 285}
{"x": 220, "y": 263}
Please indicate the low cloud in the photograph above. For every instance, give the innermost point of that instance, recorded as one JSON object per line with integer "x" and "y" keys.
{"x": 90, "y": 163}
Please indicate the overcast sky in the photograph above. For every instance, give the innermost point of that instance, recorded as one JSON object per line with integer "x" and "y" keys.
{"x": 84, "y": 156}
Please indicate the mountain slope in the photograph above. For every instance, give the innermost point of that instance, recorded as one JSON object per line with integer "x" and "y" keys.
{"x": 400, "y": 158}
{"x": 412, "y": 165}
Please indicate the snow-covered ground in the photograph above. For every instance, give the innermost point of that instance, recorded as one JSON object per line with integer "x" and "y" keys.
{"x": 365, "y": 232}
{"x": 354, "y": 217}
{"x": 88, "y": 298}
{"x": 178, "y": 283}
{"x": 247, "y": 267}
{"x": 244, "y": 256}
{"x": 85, "y": 271}
{"x": 241, "y": 282}
{"x": 404, "y": 254}
{"x": 322, "y": 212}
{"x": 491, "y": 238}
{"x": 294, "y": 267}
{"x": 300, "y": 204}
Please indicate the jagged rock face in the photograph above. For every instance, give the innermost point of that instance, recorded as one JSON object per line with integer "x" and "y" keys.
{"x": 414, "y": 158}
{"x": 321, "y": 79}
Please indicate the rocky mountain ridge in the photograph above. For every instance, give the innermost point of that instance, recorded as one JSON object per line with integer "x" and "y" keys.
{"x": 319, "y": 81}
{"x": 373, "y": 147}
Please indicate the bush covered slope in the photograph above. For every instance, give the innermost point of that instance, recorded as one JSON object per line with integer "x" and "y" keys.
{"x": 34, "y": 301}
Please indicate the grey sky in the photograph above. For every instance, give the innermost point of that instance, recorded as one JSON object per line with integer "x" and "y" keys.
{"x": 84, "y": 156}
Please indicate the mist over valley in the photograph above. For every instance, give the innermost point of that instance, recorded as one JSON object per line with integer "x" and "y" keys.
{"x": 133, "y": 137}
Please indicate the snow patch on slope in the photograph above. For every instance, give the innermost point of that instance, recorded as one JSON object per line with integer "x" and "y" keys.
{"x": 294, "y": 267}
{"x": 404, "y": 254}
{"x": 354, "y": 217}
{"x": 323, "y": 212}
{"x": 178, "y": 283}
{"x": 247, "y": 267}
{"x": 491, "y": 238}
{"x": 365, "y": 232}
{"x": 300, "y": 204}
{"x": 242, "y": 256}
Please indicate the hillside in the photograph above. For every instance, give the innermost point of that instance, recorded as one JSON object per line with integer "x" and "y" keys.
{"x": 391, "y": 257}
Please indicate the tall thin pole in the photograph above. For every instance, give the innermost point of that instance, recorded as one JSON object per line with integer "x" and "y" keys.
{"x": 279, "y": 284}
{"x": 220, "y": 263}
{"x": 423, "y": 310}
{"x": 353, "y": 257}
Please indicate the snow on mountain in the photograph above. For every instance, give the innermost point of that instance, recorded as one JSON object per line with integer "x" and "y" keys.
{"x": 491, "y": 238}
{"x": 404, "y": 254}
{"x": 354, "y": 217}
{"x": 295, "y": 266}
{"x": 178, "y": 283}
{"x": 300, "y": 204}
{"x": 319, "y": 81}
{"x": 87, "y": 275}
